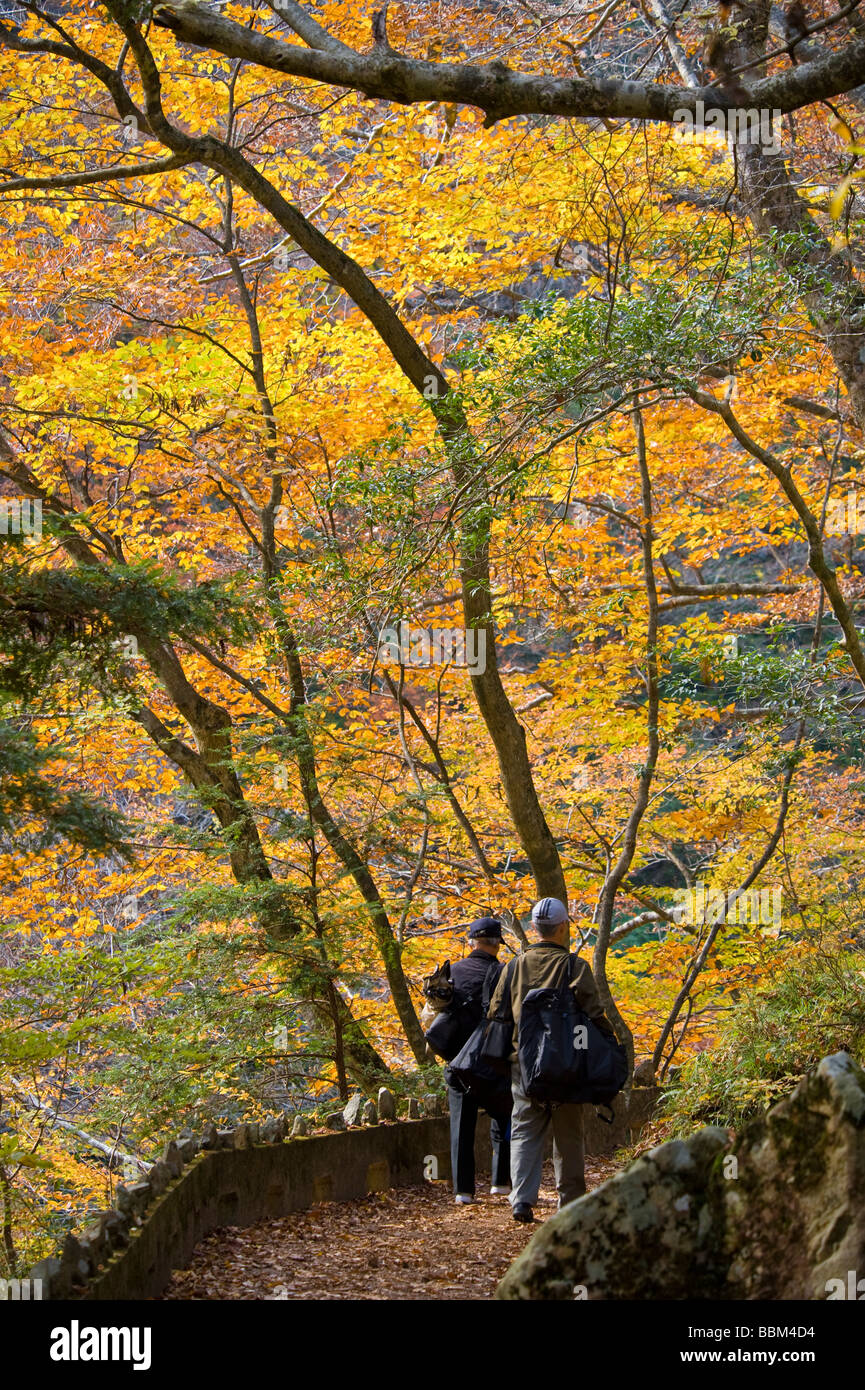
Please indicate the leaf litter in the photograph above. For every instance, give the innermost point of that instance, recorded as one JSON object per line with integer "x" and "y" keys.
{"x": 405, "y": 1243}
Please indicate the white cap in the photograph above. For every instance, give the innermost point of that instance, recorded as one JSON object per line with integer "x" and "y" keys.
{"x": 549, "y": 912}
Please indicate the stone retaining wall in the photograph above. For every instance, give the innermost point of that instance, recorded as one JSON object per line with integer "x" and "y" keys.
{"x": 249, "y": 1174}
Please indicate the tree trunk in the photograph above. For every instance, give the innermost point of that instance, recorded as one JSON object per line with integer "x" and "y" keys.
{"x": 825, "y": 281}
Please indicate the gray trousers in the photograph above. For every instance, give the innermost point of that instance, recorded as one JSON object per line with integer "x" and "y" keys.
{"x": 529, "y": 1124}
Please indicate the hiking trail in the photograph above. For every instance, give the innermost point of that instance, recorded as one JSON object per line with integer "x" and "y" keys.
{"x": 404, "y": 1243}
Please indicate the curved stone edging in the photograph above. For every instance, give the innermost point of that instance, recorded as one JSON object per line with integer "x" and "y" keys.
{"x": 131, "y": 1253}
{"x": 237, "y": 1177}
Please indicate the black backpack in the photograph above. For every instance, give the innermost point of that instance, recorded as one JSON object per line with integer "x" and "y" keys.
{"x": 564, "y": 1057}
{"x": 469, "y": 1071}
{"x": 453, "y": 1025}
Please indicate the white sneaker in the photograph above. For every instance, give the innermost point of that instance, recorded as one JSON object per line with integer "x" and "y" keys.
{"x": 464, "y": 1199}
{"x": 500, "y": 1191}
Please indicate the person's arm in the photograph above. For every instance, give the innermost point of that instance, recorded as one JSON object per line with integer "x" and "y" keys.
{"x": 587, "y": 996}
{"x": 497, "y": 1000}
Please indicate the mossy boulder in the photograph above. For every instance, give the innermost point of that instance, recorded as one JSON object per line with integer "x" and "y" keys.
{"x": 649, "y": 1232}
{"x": 796, "y": 1209}
{"x": 777, "y": 1214}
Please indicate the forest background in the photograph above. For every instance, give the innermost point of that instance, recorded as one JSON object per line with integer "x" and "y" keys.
{"x": 319, "y": 320}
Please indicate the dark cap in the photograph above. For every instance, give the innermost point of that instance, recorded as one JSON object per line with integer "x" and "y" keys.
{"x": 486, "y": 926}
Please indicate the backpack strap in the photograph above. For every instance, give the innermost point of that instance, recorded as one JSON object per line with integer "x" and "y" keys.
{"x": 487, "y": 987}
{"x": 505, "y": 1010}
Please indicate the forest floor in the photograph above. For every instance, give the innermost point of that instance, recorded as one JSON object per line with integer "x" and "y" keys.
{"x": 406, "y": 1243}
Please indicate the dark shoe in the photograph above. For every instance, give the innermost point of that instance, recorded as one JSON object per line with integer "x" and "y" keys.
{"x": 523, "y": 1212}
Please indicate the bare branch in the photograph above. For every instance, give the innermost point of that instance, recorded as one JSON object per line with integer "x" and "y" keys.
{"x": 497, "y": 90}
{"x": 307, "y": 28}
{"x": 111, "y": 175}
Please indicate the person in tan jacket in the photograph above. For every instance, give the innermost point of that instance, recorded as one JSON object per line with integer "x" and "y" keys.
{"x": 544, "y": 965}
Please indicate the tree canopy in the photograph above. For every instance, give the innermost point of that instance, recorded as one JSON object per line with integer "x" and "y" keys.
{"x": 446, "y": 442}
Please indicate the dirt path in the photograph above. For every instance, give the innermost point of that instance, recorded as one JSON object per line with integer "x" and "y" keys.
{"x": 407, "y": 1243}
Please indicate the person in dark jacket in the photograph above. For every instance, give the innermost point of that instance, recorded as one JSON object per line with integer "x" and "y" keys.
{"x": 468, "y": 975}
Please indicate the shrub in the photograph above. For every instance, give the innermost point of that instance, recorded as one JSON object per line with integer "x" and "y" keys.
{"x": 772, "y": 1037}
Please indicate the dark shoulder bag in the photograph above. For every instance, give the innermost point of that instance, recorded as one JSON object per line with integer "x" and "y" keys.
{"x": 606, "y": 1063}
{"x": 470, "y": 1073}
{"x": 499, "y": 1036}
